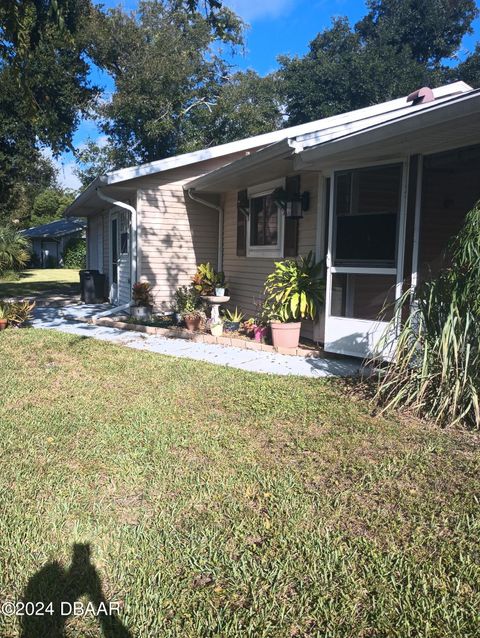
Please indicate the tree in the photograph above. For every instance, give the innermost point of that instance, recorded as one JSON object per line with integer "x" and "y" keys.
{"x": 165, "y": 69}
{"x": 397, "y": 47}
{"x": 49, "y": 205}
{"x": 246, "y": 104}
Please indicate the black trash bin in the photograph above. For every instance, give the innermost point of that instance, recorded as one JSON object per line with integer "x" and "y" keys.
{"x": 92, "y": 286}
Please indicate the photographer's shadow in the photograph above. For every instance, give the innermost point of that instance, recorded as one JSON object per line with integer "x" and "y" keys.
{"x": 53, "y": 591}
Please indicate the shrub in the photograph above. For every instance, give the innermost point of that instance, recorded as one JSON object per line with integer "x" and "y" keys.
{"x": 16, "y": 312}
{"x": 75, "y": 254}
{"x": 185, "y": 299}
{"x": 436, "y": 367}
{"x": 14, "y": 250}
{"x": 142, "y": 294}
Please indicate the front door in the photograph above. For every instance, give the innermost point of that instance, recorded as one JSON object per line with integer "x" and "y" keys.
{"x": 365, "y": 256}
{"x": 114, "y": 258}
{"x": 120, "y": 262}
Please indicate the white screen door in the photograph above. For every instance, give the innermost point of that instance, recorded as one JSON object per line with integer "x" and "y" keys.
{"x": 365, "y": 256}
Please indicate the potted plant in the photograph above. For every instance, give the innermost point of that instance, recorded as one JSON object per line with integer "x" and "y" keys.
{"x": 249, "y": 327}
{"x": 192, "y": 315}
{"x": 142, "y": 301}
{"x": 184, "y": 298}
{"x": 204, "y": 280}
{"x": 293, "y": 291}
{"x": 232, "y": 320}
{"x": 220, "y": 284}
{"x": 4, "y": 315}
{"x": 216, "y": 328}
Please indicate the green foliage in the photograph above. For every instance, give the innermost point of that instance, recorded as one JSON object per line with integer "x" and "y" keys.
{"x": 75, "y": 254}
{"x": 235, "y": 316}
{"x": 14, "y": 250}
{"x": 205, "y": 279}
{"x": 16, "y": 312}
{"x": 436, "y": 367}
{"x": 185, "y": 299}
{"x": 49, "y": 205}
{"x": 142, "y": 294}
{"x": 295, "y": 289}
{"x": 397, "y": 47}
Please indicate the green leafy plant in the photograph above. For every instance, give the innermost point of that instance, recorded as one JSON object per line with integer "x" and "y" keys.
{"x": 294, "y": 290}
{"x": 205, "y": 279}
{"x": 75, "y": 254}
{"x": 185, "y": 299}
{"x": 20, "y": 312}
{"x": 16, "y": 312}
{"x": 235, "y": 316}
{"x": 142, "y": 294}
{"x": 435, "y": 370}
{"x": 14, "y": 250}
{"x": 5, "y": 311}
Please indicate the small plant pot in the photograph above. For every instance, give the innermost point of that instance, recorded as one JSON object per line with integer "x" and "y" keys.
{"x": 231, "y": 326}
{"x": 143, "y": 313}
{"x": 217, "y": 331}
{"x": 3, "y": 324}
{"x": 285, "y": 335}
{"x": 219, "y": 292}
{"x": 192, "y": 322}
{"x": 260, "y": 333}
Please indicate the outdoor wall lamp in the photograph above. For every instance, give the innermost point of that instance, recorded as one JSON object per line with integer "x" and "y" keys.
{"x": 293, "y": 203}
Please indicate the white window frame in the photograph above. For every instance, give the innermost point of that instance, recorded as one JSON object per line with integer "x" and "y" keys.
{"x": 267, "y": 251}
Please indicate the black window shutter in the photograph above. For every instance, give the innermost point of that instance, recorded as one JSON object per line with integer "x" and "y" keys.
{"x": 290, "y": 245}
{"x": 242, "y": 207}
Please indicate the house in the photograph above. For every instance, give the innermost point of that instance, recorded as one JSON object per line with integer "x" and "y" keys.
{"x": 50, "y": 240}
{"x": 376, "y": 193}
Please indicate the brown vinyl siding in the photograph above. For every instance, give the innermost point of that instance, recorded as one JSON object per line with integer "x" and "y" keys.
{"x": 246, "y": 275}
{"x": 175, "y": 234}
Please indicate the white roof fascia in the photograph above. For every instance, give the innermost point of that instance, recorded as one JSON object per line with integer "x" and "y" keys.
{"x": 282, "y": 148}
{"x": 444, "y": 110}
{"x": 270, "y": 138}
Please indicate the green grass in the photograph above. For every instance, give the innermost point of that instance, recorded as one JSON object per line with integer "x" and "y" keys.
{"x": 42, "y": 281}
{"x": 228, "y": 504}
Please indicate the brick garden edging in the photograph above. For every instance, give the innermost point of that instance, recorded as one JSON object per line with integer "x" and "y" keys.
{"x": 203, "y": 337}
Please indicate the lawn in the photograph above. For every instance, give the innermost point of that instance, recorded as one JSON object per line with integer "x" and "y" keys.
{"x": 222, "y": 503}
{"x": 42, "y": 281}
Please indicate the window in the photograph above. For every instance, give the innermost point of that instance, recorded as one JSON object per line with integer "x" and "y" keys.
{"x": 124, "y": 231}
{"x": 266, "y": 224}
{"x": 264, "y": 221}
{"x": 367, "y": 206}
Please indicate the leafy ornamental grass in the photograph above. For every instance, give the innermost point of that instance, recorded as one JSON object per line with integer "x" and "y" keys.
{"x": 32, "y": 282}
{"x": 222, "y": 503}
{"x": 436, "y": 369}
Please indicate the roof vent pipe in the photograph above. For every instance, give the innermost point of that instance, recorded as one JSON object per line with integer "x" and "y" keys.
{"x": 421, "y": 96}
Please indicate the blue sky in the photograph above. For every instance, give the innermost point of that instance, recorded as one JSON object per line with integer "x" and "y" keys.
{"x": 276, "y": 27}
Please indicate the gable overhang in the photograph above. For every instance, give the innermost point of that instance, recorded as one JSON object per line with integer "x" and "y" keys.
{"x": 267, "y": 164}
{"x": 451, "y": 124}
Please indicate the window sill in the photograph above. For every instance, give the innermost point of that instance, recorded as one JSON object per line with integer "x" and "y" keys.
{"x": 265, "y": 252}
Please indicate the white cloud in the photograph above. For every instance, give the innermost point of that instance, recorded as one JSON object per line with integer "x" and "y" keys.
{"x": 66, "y": 176}
{"x": 252, "y": 10}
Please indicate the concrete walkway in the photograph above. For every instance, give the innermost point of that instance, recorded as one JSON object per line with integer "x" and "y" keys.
{"x": 71, "y": 320}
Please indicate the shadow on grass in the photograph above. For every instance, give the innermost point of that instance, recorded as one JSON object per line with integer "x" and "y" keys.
{"x": 55, "y": 590}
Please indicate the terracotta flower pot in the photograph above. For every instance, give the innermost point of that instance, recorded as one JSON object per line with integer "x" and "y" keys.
{"x": 192, "y": 322}
{"x": 285, "y": 335}
{"x": 3, "y": 324}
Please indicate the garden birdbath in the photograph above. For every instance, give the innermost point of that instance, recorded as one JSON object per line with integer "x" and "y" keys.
{"x": 215, "y": 303}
